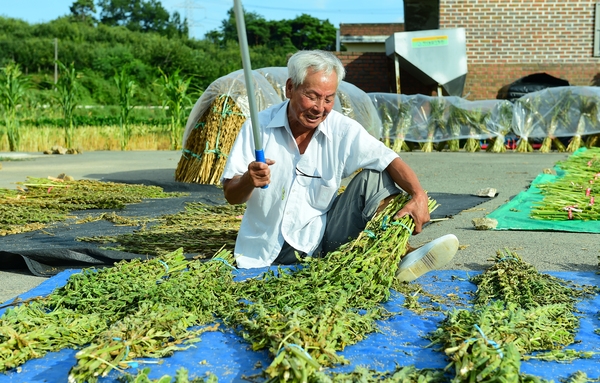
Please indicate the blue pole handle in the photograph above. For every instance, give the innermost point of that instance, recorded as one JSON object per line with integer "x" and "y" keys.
{"x": 260, "y": 157}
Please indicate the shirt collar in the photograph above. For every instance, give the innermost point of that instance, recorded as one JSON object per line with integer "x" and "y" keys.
{"x": 280, "y": 120}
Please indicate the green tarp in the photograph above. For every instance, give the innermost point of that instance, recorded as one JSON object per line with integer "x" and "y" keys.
{"x": 516, "y": 214}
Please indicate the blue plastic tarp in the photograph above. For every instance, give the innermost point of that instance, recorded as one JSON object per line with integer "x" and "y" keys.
{"x": 400, "y": 342}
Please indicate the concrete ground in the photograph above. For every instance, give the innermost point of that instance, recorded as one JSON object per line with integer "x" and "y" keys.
{"x": 461, "y": 173}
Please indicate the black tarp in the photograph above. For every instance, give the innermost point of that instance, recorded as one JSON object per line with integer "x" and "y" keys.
{"x": 55, "y": 248}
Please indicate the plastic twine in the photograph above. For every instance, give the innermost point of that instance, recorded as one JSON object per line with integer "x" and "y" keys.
{"x": 384, "y": 225}
{"x": 487, "y": 340}
{"x": 164, "y": 264}
{"x": 370, "y": 234}
{"x": 224, "y": 261}
{"x": 398, "y": 223}
{"x": 293, "y": 345}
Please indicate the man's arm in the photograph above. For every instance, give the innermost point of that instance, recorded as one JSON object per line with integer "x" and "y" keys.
{"x": 417, "y": 207}
{"x": 238, "y": 189}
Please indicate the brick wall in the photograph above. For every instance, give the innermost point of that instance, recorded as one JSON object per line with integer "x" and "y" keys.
{"x": 370, "y": 71}
{"x": 509, "y": 39}
{"x": 384, "y": 29}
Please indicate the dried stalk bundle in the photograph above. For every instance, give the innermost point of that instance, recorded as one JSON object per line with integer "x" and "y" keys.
{"x": 512, "y": 280}
{"x": 504, "y": 122}
{"x": 209, "y": 143}
{"x": 528, "y": 116}
{"x": 456, "y": 119}
{"x": 517, "y": 311}
{"x": 588, "y": 115}
{"x": 435, "y": 121}
{"x": 386, "y": 123}
{"x": 572, "y": 196}
{"x": 402, "y": 124}
{"x": 200, "y": 229}
{"x": 39, "y": 202}
{"x": 304, "y": 317}
{"x": 559, "y": 114}
{"x": 477, "y": 120}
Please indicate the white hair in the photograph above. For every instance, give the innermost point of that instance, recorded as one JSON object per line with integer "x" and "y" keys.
{"x": 315, "y": 60}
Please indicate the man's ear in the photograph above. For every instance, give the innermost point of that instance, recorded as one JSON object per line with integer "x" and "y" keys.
{"x": 289, "y": 87}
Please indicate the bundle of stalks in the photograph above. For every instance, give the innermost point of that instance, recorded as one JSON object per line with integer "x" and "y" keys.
{"x": 322, "y": 301}
{"x": 517, "y": 311}
{"x": 402, "y": 124}
{"x": 477, "y": 120}
{"x": 589, "y": 107}
{"x": 276, "y": 76}
{"x": 386, "y": 123}
{"x": 357, "y": 105}
{"x": 572, "y": 196}
{"x": 593, "y": 140}
{"x": 208, "y": 144}
{"x": 458, "y": 117}
{"x": 560, "y": 104}
{"x": 435, "y": 120}
{"x": 39, "y": 202}
{"x": 503, "y": 122}
{"x": 527, "y": 116}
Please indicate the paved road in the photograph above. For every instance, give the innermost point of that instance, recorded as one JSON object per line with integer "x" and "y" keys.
{"x": 461, "y": 173}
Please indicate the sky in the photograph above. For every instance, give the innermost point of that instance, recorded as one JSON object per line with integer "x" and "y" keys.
{"x": 207, "y": 15}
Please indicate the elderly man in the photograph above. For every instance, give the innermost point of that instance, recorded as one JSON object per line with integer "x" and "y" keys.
{"x": 310, "y": 149}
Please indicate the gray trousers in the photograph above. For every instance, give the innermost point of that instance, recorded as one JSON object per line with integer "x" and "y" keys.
{"x": 349, "y": 213}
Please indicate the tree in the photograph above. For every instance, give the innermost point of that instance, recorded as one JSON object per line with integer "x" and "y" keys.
{"x": 311, "y": 33}
{"x": 83, "y": 11}
{"x": 141, "y": 16}
{"x": 303, "y": 32}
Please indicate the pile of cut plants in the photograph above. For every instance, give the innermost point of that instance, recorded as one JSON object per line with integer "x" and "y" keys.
{"x": 572, "y": 195}
{"x": 302, "y": 316}
{"x": 39, "y": 202}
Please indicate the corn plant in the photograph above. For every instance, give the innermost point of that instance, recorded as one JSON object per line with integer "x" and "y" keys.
{"x": 174, "y": 90}
{"x": 66, "y": 95}
{"x": 126, "y": 88}
{"x": 13, "y": 86}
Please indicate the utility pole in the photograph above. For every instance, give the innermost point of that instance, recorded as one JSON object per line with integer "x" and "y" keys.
{"x": 55, "y": 62}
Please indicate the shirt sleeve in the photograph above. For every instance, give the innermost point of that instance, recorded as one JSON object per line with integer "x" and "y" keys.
{"x": 241, "y": 154}
{"x": 363, "y": 151}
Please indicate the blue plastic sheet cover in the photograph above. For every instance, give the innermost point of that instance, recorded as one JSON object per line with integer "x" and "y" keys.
{"x": 400, "y": 341}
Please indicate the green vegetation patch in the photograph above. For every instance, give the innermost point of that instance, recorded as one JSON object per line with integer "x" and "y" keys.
{"x": 38, "y": 202}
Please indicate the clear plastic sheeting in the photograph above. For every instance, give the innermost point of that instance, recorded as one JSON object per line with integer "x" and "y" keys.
{"x": 570, "y": 111}
{"x": 234, "y": 86}
{"x": 353, "y": 102}
{"x": 269, "y": 85}
{"x": 420, "y": 118}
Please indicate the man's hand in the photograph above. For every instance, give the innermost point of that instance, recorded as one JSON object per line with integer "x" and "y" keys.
{"x": 239, "y": 189}
{"x": 418, "y": 209}
{"x": 259, "y": 173}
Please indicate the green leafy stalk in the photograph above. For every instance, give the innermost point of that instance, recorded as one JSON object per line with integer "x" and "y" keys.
{"x": 126, "y": 88}
{"x": 13, "y": 88}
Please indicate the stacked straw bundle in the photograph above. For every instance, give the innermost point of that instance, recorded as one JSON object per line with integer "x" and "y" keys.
{"x": 207, "y": 146}
{"x": 218, "y": 115}
{"x": 215, "y": 122}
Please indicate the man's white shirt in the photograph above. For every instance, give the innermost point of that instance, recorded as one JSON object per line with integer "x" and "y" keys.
{"x": 294, "y": 206}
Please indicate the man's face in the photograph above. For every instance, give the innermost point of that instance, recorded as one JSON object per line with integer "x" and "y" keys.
{"x": 311, "y": 101}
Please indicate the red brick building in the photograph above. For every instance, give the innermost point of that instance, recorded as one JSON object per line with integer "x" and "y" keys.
{"x": 506, "y": 40}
